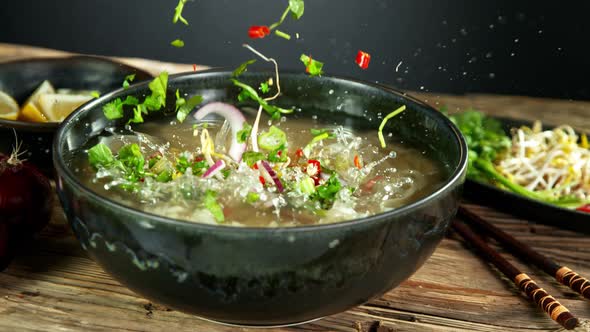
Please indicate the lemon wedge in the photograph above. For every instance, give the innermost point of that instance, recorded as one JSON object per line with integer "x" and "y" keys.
{"x": 57, "y": 107}
{"x": 42, "y": 89}
{"x": 8, "y": 107}
{"x": 31, "y": 113}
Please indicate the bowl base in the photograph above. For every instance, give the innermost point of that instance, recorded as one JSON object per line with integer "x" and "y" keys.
{"x": 258, "y": 326}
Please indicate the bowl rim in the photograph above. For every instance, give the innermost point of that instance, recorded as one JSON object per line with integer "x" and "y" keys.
{"x": 52, "y": 126}
{"x": 63, "y": 171}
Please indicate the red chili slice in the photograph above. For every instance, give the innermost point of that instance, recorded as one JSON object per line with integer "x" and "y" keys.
{"x": 316, "y": 165}
{"x": 363, "y": 59}
{"x": 258, "y": 31}
{"x": 299, "y": 153}
{"x": 584, "y": 208}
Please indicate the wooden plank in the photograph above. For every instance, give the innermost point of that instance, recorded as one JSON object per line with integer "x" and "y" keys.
{"x": 55, "y": 286}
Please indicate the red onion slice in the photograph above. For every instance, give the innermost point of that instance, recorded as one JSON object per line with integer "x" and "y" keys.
{"x": 273, "y": 175}
{"x": 216, "y": 168}
{"x": 236, "y": 121}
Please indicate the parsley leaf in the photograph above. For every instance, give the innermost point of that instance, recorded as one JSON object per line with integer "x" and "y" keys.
{"x": 114, "y": 109}
{"x": 178, "y": 13}
{"x": 183, "y": 108}
{"x": 100, "y": 156}
{"x": 313, "y": 67}
{"x": 249, "y": 92}
{"x": 211, "y": 204}
{"x": 157, "y": 99}
{"x": 251, "y": 157}
{"x": 242, "y": 68}
{"x": 130, "y": 156}
{"x": 297, "y": 7}
{"x": 177, "y": 43}
{"x": 326, "y": 193}
{"x": 128, "y": 79}
{"x": 95, "y": 94}
{"x": 264, "y": 87}
{"x": 244, "y": 133}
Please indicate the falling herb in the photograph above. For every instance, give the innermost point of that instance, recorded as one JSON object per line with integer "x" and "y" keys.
{"x": 95, "y": 94}
{"x": 114, "y": 109}
{"x": 250, "y": 93}
{"x": 128, "y": 80}
{"x": 242, "y": 68}
{"x": 296, "y": 8}
{"x": 177, "y": 43}
{"x": 264, "y": 87}
{"x": 313, "y": 67}
{"x": 385, "y": 119}
{"x": 178, "y": 13}
{"x": 183, "y": 107}
{"x": 244, "y": 133}
{"x": 281, "y": 34}
{"x": 100, "y": 156}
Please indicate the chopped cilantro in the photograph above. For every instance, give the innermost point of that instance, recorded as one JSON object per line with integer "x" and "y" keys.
{"x": 211, "y": 204}
{"x": 249, "y": 92}
{"x": 244, "y": 133}
{"x": 183, "y": 108}
{"x": 313, "y": 67}
{"x": 114, "y": 109}
{"x": 177, "y": 43}
{"x": 131, "y": 158}
{"x": 242, "y": 68}
{"x": 278, "y": 155}
{"x": 164, "y": 176}
{"x": 264, "y": 87}
{"x": 100, "y": 156}
{"x": 178, "y": 13}
{"x": 95, "y": 94}
{"x": 326, "y": 193}
{"x": 157, "y": 99}
{"x": 251, "y": 157}
{"x": 128, "y": 80}
{"x": 318, "y": 132}
{"x": 297, "y": 7}
{"x": 281, "y": 34}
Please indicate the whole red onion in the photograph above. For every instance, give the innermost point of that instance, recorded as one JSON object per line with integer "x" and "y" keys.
{"x": 26, "y": 202}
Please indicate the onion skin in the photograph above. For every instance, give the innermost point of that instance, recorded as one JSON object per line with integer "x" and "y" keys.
{"x": 26, "y": 203}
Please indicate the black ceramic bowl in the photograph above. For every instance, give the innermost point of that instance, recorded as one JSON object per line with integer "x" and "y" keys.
{"x": 268, "y": 276}
{"x": 20, "y": 78}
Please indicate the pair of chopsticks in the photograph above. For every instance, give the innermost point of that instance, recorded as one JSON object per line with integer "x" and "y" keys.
{"x": 564, "y": 275}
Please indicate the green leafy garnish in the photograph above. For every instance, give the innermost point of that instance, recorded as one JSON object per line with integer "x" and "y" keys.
{"x": 319, "y": 137}
{"x": 307, "y": 185}
{"x": 385, "y": 119}
{"x": 318, "y": 132}
{"x": 277, "y": 155}
{"x": 157, "y": 99}
{"x": 313, "y": 67}
{"x": 249, "y": 93}
{"x": 128, "y": 80}
{"x": 114, "y": 109}
{"x": 211, "y": 204}
{"x": 264, "y": 87}
{"x": 297, "y": 7}
{"x": 326, "y": 193}
{"x": 242, "y": 68}
{"x": 95, "y": 94}
{"x": 177, "y": 43}
{"x": 198, "y": 167}
{"x": 178, "y": 13}
{"x": 100, "y": 156}
{"x": 183, "y": 108}
{"x": 131, "y": 158}
{"x": 273, "y": 139}
{"x": 251, "y": 157}
{"x": 244, "y": 133}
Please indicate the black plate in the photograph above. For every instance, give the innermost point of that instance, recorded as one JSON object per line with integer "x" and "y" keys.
{"x": 21, "y": 77}
{"x": 524, "y": 207}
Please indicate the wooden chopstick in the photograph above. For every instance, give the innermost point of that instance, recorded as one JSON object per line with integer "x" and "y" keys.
{"x": 561, "y": 273}
{"x": 548, "y": 303}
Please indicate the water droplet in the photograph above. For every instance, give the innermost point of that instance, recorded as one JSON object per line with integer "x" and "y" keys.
{"x": 540, "y": 31}
{"x": 502, "y": 19}
{"x": 331, "y": 91}
{"x": 491, "y": 26}
{"x": 422, "y": 87}
{"x": 444, "y": 22}
{"x": 512, "y": 54}
{"x": 314, "y": 117}
{"x": 464, "y": 73}
{"x": 489, "y": 55}
{"x": 463, "y": 31}
{"x": 454, "y": 40}
{"x": 516, "y": 40}
{"x": 492, "y": 75}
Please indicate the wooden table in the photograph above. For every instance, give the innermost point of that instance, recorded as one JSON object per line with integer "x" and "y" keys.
{"x": 54, "y": 286}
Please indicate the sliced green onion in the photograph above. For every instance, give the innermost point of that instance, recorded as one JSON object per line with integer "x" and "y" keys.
{"x": 281, "y": 34}
{"x": 309, "y": 146}
{"x": 387, "y": 117}
{"x": 273, "y": 139}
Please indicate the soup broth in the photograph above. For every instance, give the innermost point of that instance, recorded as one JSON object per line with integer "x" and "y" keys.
{"x": 327, "y": 173}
